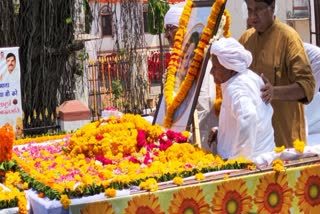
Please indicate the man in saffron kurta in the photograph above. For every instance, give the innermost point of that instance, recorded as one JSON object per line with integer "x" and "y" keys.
{"x": 279, "y": 56}
{"x": 245, "y": 127}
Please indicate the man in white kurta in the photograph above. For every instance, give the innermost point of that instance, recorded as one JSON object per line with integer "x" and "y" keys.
{"x": 312, "y": 110}
{"x": 245, "y": 127}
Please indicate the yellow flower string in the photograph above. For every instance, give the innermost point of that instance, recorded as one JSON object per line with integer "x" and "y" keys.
{"x": 299, "y": 145}
{"x": 174, "y": 102}
{"x": 39, "y": 139}
{"x": 22, "y": 203}
{"x": 175, "y": 53}
{"x": 227, "y": 33}
{"x": 65, "y": 201}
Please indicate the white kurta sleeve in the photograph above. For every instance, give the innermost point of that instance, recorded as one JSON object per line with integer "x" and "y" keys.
{"x": 245, "y": 114}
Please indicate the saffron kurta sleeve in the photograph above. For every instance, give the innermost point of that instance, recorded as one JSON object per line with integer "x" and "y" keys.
{"x": 278, "y": 53}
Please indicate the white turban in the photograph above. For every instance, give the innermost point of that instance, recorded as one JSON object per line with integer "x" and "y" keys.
{"x": 231, "y": 54}
{"x": 172, "y": 16}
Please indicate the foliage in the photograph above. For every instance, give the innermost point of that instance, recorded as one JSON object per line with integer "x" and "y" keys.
{"x": 43, "y": 29}
{"x": 117, "y": 91}
{"x": 156, "y": 12}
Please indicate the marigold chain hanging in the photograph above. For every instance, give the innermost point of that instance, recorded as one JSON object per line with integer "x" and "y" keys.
{"x": 173, "y": 102}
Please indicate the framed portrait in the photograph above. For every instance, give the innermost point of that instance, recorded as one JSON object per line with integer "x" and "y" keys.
{"x": 183, "y": 114}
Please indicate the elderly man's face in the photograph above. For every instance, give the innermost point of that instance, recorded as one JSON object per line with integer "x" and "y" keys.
{"x": 260, "y": 15}
{"x": 11, "y": 63}
{"x": 220, "y": 73}
{"x": 170, "y": 32}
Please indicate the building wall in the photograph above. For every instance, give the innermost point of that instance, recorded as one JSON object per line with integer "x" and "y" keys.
{"x": 238, "y": 15}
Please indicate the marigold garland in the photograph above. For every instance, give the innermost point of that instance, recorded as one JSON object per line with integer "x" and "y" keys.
{"x": 175, "y": 53}
{"x": 7, "y": 139}
{"x": 227, "y": 34}
{"x": 39, "y": 139}
{"x": 65, "y": 201}
{"x": 173, "y": 102}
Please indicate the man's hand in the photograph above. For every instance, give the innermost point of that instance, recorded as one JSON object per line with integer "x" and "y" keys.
{"x": 267, "y": 90}
{"x": 213, "y": 139}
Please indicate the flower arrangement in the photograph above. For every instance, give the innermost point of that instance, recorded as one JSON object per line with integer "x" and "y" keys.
{"x": 10, "y": 195}
{"x": 40, "y": 139}
{"x": 114, "y": 154}
{"x": 173, "y": 102}
{"x": 6, "y": 142}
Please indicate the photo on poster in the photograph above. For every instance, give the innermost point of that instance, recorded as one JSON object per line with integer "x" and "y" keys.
{"x": 10, "y": 90}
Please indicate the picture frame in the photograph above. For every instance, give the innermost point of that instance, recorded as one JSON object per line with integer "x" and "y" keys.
{"x": 183, "y": 115}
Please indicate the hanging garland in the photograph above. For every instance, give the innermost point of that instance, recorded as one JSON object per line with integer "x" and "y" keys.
{"x": 227, "y": 34}
{"x": 173, "y": 102}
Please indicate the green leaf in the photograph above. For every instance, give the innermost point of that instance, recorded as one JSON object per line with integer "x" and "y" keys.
{"x": 68, "y": 20}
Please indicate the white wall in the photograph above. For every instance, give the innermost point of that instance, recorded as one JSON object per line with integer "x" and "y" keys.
{"x": 238, "y": 25}
{"x": 283, "y": 9}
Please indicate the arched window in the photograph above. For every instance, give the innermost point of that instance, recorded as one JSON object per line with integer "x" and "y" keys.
{"x": 106, "y": 21}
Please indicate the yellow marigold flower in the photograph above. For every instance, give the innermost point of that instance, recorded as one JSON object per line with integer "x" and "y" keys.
{"x": 217, "y": 105}
{"x": 185, "y": 134}
{"x": 252, "y": 167}
{"x": 22, "y": 203}
{"x": 150, "y": 184}
{"x": 65, "y": 201}
{"x": 279, "y": 149}
{"x": 110, "y": 192}
{"x": 299, "y": 145}
{"x": 278, "y": 165}
{"x": 225, "y": 176}
{"x": 178, "y": 181}
{"x": 200, "y": 176}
